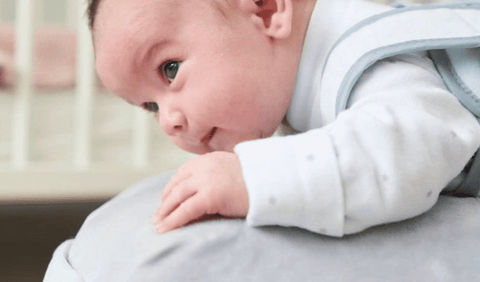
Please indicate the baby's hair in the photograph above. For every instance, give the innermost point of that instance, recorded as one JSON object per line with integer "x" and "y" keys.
{"x": 92, "y": 12}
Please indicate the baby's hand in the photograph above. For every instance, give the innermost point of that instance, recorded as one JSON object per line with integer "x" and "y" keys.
{"x": 210, "y": 184}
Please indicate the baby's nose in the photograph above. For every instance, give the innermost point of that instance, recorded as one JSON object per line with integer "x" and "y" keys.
{"x": 172, "y": 122}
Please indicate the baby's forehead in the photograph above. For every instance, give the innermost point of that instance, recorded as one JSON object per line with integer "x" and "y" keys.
{"x": 132, "y": 11}
{"x": 133, "y": 16}
{"x": 147, "y": 17}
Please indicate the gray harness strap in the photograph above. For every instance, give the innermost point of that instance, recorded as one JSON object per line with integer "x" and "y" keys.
{"x": 451, "y": 34}
{"x": 470, "y": 177}
{"x": 470, "y": 185}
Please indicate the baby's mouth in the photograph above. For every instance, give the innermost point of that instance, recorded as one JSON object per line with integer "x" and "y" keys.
{"x": 206, "y": 139}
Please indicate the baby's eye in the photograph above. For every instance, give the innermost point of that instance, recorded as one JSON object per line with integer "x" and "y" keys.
{"x": 170, "y": 70}
{"x": 150, "y": 106}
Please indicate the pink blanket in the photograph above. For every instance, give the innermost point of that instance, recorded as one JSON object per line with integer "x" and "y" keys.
{"x": 54, "y": 56}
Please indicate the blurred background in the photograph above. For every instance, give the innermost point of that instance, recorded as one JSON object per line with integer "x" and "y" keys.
{"x": 66, "y": 144}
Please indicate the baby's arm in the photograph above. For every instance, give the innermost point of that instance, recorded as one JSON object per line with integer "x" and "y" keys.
{"x": 209, "y": 184}
{"x": 384, "y": 159}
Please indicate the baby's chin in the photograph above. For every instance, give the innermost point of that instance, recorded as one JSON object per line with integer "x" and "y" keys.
{"x": 207, "y": 148}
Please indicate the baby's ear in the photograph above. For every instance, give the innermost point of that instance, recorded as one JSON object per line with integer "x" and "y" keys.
{"x": 273, "y": 17}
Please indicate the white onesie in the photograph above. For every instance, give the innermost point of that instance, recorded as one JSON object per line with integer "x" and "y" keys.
{"x": 386, "y": 158}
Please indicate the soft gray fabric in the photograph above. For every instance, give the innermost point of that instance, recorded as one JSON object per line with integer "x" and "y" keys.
{"x": 117, "y": 243}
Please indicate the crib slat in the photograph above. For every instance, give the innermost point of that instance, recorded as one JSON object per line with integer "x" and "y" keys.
{"x": 25, "y": 19}
{"x": 85, "y": 91}
{"x": 71, "y": 13}
{"x": 141, "y": 138}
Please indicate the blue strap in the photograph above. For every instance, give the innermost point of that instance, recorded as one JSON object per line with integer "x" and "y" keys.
{"x": 454, "y": 82}
{"x": 447, "y": 46}
{"x": 435, "y": 39}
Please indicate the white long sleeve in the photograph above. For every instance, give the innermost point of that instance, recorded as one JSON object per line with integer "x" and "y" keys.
{"x": 384, "y": 159}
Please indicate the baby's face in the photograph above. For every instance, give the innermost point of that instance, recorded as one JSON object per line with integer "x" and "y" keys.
{"x": 211, "y": 78}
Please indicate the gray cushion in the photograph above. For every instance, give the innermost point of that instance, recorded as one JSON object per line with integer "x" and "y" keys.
{"x": 118, "y": 243}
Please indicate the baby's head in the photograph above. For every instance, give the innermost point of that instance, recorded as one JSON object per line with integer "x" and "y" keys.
{"x": 214, "y": 72}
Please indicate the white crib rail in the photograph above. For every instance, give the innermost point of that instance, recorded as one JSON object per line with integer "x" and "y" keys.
{"x": 23, "y": 179}
{"x": 85, "y": 91}
{"x": 24, "y": 66}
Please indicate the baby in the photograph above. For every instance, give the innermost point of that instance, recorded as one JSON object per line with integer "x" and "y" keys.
{"x": 221, "y": 76}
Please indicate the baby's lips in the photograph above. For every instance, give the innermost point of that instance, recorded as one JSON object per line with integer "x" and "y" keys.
{"x": 208, "y": 136}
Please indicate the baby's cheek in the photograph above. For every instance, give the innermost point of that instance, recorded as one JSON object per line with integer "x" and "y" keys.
{"x": 232, "y": 140}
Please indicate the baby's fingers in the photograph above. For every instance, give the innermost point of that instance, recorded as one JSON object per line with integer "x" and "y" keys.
{"x": 174, "y": 181}
{"x": 189, "y": 210}
{"x": 176, "y": 197}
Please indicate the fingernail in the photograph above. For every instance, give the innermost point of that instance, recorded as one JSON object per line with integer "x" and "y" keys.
{"x": 160, "y": 228}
